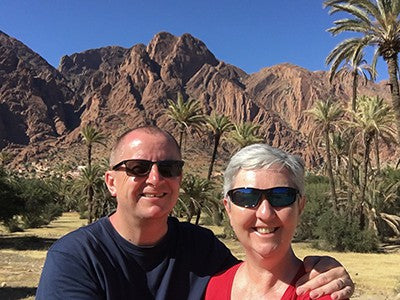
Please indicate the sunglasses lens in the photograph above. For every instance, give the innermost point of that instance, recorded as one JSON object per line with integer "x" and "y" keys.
{"x": 245, "y": 197}
{"x": 141, "y": 168}
{"x": 138, "y": 167}
{"x": 250, "y": 197}
{"x": 281, "y": 196}
{"x": 170, "y": 168}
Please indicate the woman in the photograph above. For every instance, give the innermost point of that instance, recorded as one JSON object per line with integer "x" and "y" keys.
{"x": 264, "y": 198}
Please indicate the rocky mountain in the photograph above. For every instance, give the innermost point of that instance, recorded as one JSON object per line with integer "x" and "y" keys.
{"x": 118, "y": 88}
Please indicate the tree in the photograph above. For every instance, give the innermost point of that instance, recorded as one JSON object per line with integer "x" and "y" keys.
{"x": 325, "y": 113}
{"x": 11, "y": 203}
{"x": 355, "y": 65}
{"x": 245, "y": 133}
{"x": 91, "y": 136}
{"x": 372, "y": 119}
{"x": 185, "y": 115}
{"x": 90, "y": 178}
{"x": 196, "y": 193}
{"x": 218, "y": 124}
{"x": 377, "y": 22}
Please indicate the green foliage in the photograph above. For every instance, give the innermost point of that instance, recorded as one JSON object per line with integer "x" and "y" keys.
{"x": 344, "y": 234}
{"x": 11, "y": 204}
{"x": 185, "y": 114}
{"x": 317, "y": 195}
{"x": 245, "y": 134}
{"x": 40, "y": 202}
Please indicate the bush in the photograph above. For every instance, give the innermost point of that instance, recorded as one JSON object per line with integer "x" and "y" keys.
{"x": 40, "y": 202}
{"x": 343, "y": 234}
{"x": 317, "y": 194}
{"x": 11, "y": 204}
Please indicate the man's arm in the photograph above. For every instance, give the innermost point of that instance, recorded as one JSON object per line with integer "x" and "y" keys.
{"x": 64, "y": 277}
{"x": 325, "y": 275}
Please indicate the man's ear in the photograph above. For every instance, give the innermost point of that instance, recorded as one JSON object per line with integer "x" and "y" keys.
{"x": 110, "y": 182}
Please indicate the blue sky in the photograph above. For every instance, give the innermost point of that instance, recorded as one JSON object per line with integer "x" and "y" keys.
{"x": 250, "y": 34}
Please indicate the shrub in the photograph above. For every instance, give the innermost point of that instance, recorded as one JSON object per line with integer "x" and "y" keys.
{"x": 40, "y": 202}
{"x": 317, "y": 194}
{"x": 11, "y": 204}
{"x": 343, "y": 234}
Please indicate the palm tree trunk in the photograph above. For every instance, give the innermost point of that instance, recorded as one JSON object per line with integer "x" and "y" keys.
{"x": 89, "y": 155}
{"x": 181, "y": 138}
{"x": 330, "y": 172}
{"x": 214, "y": 155}
{"x": 355, "y": 86}
{"x": 367, "y": 142}
{"x": 198, "y": 216}
{"x": 351, "y": 146}
{"x": 378, "y": 163}
{"x": 90, "y": 204}
{"x": 394, "y": 88}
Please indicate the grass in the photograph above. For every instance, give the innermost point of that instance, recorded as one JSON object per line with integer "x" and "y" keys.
{"x": 22, "y": 254}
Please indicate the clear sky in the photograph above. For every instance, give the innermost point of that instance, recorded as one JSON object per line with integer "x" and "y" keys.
{"x": 250, "y": 34}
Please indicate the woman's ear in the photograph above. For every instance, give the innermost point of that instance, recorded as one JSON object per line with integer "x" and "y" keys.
{"x": 302, "y": 204}
{"x": 227, "y": 205}
{"x": 110, "y": 182}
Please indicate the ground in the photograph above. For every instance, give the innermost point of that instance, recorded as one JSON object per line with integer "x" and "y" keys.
{"x": 377, "y": 276}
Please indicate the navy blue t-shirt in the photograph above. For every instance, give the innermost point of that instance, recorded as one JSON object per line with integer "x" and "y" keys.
{"x": 95, "y": 262}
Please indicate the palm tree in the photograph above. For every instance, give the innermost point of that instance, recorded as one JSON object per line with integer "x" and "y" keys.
{"x": 219, "y": 124}
{"x": 90, "y": 178}
{"x": 325, "y": 113}
{"x": 377, "y": 22}
{"x": 372, "y": 119}
{"x": 355, "y": 65}
{"x": 185, "y": 114}
{"x": 245, "y": 133}
{"x": 91, "y": 136}
{"x": 195, "y": 195}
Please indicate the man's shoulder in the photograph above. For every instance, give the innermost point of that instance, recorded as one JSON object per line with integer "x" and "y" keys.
{"x": 81, "y": 237}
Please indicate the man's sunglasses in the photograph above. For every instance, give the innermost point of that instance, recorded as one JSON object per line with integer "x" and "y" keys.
{"x": 251, "y": 197}
{"x": 142, "y": 168}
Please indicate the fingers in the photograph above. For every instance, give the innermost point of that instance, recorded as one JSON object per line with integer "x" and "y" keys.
{"x": 338, "y": 289}
{"x": 335, "y": 281}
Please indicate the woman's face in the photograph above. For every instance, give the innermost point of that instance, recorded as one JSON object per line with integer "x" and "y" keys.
{"x": 265, "y": 231}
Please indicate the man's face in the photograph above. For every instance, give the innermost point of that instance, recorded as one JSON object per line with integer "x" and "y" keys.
{"x": 152, "y": 196}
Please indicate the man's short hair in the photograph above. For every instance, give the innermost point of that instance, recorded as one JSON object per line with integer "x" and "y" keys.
{"x": 151, "y": 129}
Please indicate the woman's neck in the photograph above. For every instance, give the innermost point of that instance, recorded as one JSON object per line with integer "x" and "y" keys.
{"x": 266, "y": 279}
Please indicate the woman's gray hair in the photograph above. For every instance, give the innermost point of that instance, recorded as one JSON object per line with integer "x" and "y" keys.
{"x": 262, "y": 156}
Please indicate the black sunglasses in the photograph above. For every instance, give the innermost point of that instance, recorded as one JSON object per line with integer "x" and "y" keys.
{"x": 250, "y": 197}
{"x": 141, "y": 167}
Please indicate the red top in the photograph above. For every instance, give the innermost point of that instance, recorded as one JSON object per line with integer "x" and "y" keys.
{"x": 220, "y": 286}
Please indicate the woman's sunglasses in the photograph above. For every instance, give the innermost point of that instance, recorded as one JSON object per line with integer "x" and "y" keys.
{"x": 141, "y": 167}
{"x": 251, "y": 197}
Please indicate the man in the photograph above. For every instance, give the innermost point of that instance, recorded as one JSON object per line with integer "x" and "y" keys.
{"x": 138, "y": 252}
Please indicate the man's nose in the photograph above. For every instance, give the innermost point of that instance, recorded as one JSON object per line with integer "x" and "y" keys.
{"x": 154, "y": 174}
{"x": 265, "y": 210}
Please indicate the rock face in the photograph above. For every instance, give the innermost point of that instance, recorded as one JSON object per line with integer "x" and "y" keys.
{"x": 35, "y": 101}
{"x": 118, "y": 88}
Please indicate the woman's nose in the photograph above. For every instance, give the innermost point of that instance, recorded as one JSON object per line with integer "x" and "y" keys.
{"x": 265, "y": 210}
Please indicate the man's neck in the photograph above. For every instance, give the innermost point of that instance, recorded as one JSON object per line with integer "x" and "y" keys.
{"x": 140, "y": 232}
